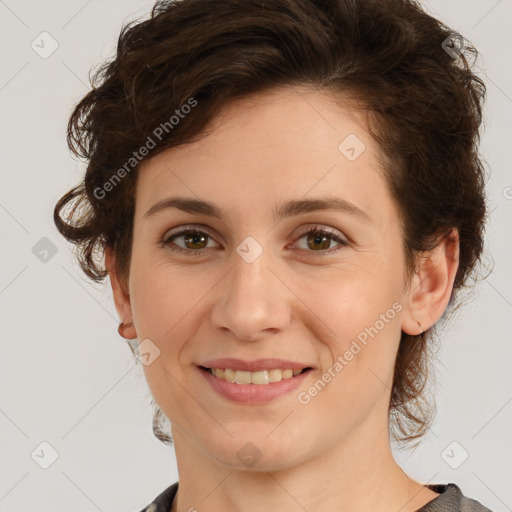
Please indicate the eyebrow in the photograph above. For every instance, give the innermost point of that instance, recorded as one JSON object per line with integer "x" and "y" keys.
{"x": 281, "y": 211}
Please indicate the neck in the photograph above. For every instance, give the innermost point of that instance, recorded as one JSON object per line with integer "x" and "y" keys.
{"x": 355, "y": 474}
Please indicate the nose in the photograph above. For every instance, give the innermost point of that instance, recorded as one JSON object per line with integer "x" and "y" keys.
{"x": 253, "y": 300}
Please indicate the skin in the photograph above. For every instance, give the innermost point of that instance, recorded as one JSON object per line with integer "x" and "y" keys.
{"x": 334, "y": 452}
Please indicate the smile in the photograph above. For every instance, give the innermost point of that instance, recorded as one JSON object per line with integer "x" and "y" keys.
{"x": 259, "y": 377}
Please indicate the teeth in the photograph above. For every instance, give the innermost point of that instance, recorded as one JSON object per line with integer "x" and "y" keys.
{"x": 229, "y": 375}
{"x": 275, "y": 375}
{"x": 242, "y": 377}
{"x": 261, "y": 377}
{"x": 287, "y": 374}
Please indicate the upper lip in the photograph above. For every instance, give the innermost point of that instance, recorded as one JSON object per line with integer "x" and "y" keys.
{"x": 254, "y": 366}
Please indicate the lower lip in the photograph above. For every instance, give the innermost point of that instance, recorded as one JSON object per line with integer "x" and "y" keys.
{"x": 253, "y": 393}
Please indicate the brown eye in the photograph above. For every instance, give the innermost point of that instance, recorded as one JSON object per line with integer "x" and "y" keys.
{"x": 319, "y": 240}
{"x": 194, "y": 241}
{"x": 197, "y": 240}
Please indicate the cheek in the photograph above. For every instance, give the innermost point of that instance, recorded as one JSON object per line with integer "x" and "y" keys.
{"x": 161, "y": 300}
{"x": 359, "y": 322}
{"x": 337, "y": 304}
{"x": 347, "y": 301}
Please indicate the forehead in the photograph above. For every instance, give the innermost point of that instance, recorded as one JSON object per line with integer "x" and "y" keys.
{"x": 271, "y": 147}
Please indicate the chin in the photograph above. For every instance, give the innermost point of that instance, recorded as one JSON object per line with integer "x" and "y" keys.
{"x": 257, "y": 453}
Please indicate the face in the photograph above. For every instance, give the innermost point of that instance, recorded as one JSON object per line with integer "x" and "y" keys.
{"x": 250, "y": 286}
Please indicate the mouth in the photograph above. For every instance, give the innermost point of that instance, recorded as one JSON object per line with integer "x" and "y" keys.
{"x": 262, "y": 377}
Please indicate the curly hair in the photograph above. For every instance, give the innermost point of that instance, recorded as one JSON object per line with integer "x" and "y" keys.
{"x": 411, "y": 74}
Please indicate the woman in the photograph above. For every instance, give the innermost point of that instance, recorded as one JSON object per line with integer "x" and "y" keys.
{"x": 288, "y": 198}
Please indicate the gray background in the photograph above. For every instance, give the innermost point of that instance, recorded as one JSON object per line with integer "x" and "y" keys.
{"x": 67, "y": 377}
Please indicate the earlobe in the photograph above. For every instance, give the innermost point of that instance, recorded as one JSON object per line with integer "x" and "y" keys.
{"x": 121, "y": 298}
{"x": 432, "y": 285}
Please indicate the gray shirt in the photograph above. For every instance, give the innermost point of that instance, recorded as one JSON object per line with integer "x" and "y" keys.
{"x": 450, "y": 499}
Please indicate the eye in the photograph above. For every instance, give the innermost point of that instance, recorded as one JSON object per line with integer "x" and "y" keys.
{"x": 196, "y": 241}
{"x": 194, "y": 238}
{"x": 321, "y": 238}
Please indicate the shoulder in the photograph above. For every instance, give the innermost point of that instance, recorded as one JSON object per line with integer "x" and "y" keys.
{"x": 469, "y": 505}
{"x": 451, "y": 499}
{"x": 163, "y": 502}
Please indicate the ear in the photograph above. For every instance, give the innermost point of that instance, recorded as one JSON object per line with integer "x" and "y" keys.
{"x": 431, "y": 287}
{"x": 121, "y": 296}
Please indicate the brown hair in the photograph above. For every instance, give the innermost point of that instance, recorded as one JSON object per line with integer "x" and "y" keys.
{"x": 396, "y": 61}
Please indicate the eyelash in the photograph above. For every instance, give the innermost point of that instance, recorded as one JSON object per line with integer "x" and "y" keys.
{"x": 196, "y": 252}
